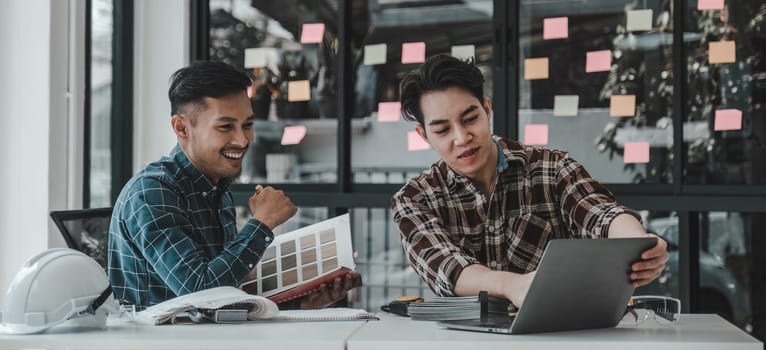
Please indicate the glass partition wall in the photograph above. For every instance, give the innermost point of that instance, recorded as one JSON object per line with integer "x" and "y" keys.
{"x": 656, "y": 98}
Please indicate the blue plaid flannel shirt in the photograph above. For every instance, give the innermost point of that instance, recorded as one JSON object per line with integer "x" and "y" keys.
{"x": 174, "y": 232}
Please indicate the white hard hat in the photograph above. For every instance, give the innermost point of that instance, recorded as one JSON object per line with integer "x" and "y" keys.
{"x": 56, "y": 286}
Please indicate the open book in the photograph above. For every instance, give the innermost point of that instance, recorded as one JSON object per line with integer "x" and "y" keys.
{"x": 217, "y": 298}
{"x": 298, "y": 262}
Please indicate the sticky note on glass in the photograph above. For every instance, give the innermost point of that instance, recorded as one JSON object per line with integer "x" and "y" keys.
{"x": 536, "y": 134}
{"x": 622, "y": 105}
{"x": 298, "y": 90}
{"x": 709, "y": 5}
{"x": 389, "y": 111}
{"x": 415, "y": 142}
{"x": 312, "y": 33}
{"x": 598, "y": 61}
{"x": 565, "y": 105}
{"x": 722, "y": 52}
{"x": 639, "y": 20}
{"x": 555, "y": 28}
{"x": 293, "y": 135}
{"x": 728, "y": 119}
{"x": 636, "y": 152}
{"x": 375, "y": 54}
{"x": 536, "y": 68}
{"x": 414, "y": 52}
{"x": 463, "y": 52}
{"x": 255, "y": 57}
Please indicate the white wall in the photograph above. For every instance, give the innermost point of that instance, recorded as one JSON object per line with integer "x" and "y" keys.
{"x": 33, "y": 136}
{"x": 161, "y": 47}
{"x": 41, "y": 81}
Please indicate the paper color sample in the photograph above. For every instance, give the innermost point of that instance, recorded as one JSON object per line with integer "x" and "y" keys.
{"x": 555, "y": 28}
{"x": 536, "y": 134}
{"x": 728, "y": 119}
{"x": 293, "y": 135}
{"x": 598, "y": 61}
{"x": 639, "y": 20}
{"x": 298, "y": 90}
{"x": 415, "y": 142}
{"x": 709, "y": 5}
{"x": 565, "y": 105}
{"x": 463, "y": 52}
{"x": 375, "y": 54}
{"x": 536, "y": 68}
{"x": 636, "y": 152}
{"x": 389, "y": 111}
{"x": 414, "y": 52}
{"x": 255, "y": 57}
{"x": 722, "y": 52}
{"x": 622, "y": 105}
{"x": 312, "y": 33}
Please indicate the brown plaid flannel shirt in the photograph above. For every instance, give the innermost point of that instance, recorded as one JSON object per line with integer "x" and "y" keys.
{"x": 446, "y": 223}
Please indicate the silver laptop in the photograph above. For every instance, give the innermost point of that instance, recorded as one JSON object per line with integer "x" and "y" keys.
{"x": 580, "y": 284}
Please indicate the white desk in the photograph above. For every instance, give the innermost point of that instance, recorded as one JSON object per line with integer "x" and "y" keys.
{"x": 282, "y": 335}
{"x": 698, "y": 332}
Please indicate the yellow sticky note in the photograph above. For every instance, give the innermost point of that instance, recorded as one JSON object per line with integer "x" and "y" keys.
{"x": 622, "y": 105}
{"x": 722, "y": 52}
{"x": 299, "y": 90}
{"x": 536, "y": 68}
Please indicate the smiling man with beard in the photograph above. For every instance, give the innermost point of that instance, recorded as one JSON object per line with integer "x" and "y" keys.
{"x": 173, "y": 229}
{"x": 480, "y": 218}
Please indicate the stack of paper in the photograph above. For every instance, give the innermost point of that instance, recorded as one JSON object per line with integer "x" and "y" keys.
{"x": 456, "y": 308}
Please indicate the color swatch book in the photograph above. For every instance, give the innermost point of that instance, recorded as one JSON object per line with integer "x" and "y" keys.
{"x": 298, "y": 262}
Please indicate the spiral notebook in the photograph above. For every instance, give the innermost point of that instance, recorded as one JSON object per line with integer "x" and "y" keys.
{"x": 299, "y": 261}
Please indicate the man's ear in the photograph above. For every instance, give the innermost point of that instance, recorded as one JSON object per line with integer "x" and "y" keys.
{"x": 422, "y": 132}
{"x": 179, "y": 122}
{"x": 487, "y": 106}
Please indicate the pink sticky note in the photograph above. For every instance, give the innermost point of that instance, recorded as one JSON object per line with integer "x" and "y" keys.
{"x": 709, "y": 5}
{"x": 312, "y": 33}
{"x": 555, "y": 28}
{"x": 636, "y": 152}
{"x": 389, "y": 111}
{"x": 536, "y": 134}
{"x": 415, "y": 142}
{"x": 414, "y": 52}
{"x": 598, "y": 61}
{"x": 728, "y": 119}
{"x": 293, "y": 135}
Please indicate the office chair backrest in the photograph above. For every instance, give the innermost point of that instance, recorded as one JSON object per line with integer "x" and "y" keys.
{"x": 85, "y": 230}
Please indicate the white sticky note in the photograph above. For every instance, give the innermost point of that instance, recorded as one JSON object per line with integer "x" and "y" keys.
{"x": 565, "y": 105}
{"x": 463, "y": 52}
{"x": 375, "y": 54}
{"x": 639, "y": 20}
{"x": 415, "y": 142}
{"x": 255, "y": 57}
{"x": 298, "y": 90}
{"x": 293, "y": 135}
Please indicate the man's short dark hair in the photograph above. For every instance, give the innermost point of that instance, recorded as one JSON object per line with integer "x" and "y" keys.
{"x": 190, "y": 85}
{"x": 438, "y": 73}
